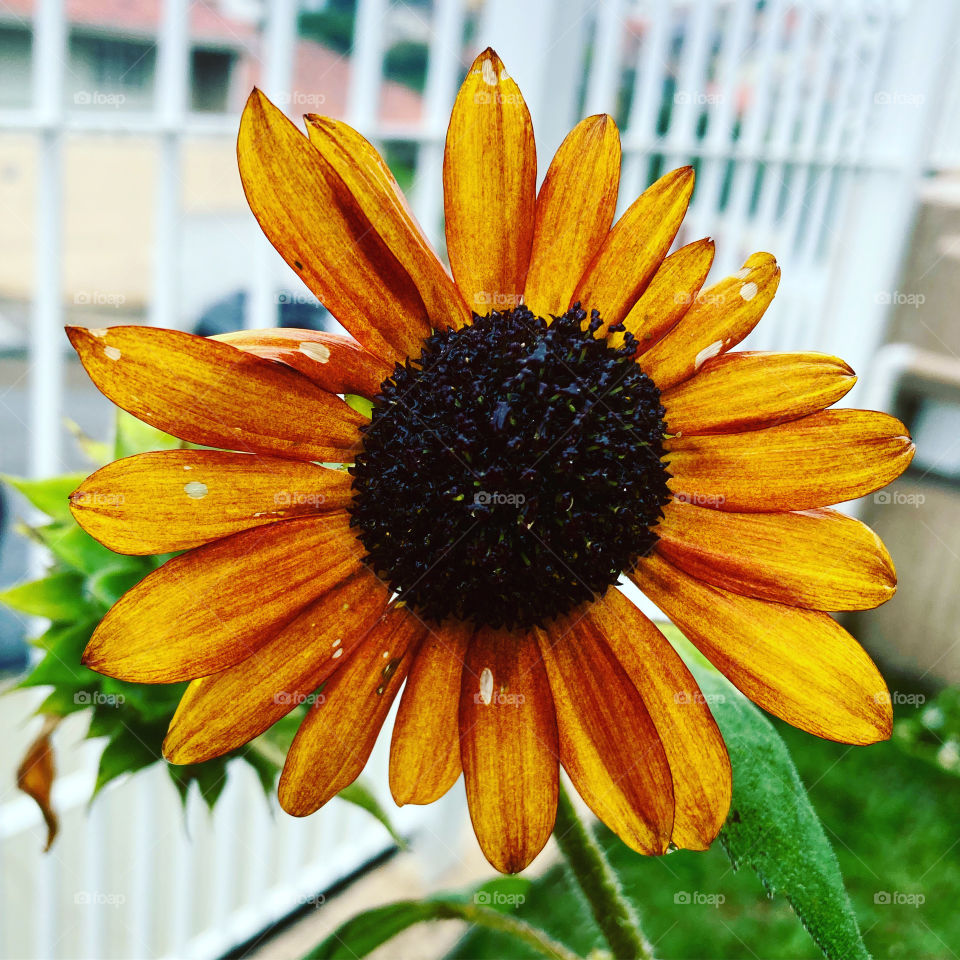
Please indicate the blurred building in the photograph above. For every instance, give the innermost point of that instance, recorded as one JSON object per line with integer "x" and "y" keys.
{"x": 108, "y": 176}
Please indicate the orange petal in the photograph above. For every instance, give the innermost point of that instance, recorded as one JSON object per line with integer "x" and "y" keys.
{"x": 331, "y": 360}
{"x": 489, "y": 187}
{"x": 720, "y": 317}
{"x": 635, "y": 248}
{"x": 671, "y": 293}
{"x": 821, "y": 459}
{"x": 575, "y": 208}
{"x": 309, "y": 214}
{"x": 746, "y": 390}
{"x": 818, "y": 559}
{"x": 425, "y": 749}
{"x": 369, "y": 179}
{"x": 608, "y": 742}
{"x": 221, "y": 712}
{"x": 800, "y": 665}
{"x": 335, "y": 740}
{"x": 212, "y": 607}
{"x": 695, "y": 749}
{"x": 209, "y": 393}
{"x": 508, "y": 744}
{"x": 177, "y": 499}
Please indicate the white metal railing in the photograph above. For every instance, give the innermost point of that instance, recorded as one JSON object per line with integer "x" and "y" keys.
{"x": 820, "y": 116}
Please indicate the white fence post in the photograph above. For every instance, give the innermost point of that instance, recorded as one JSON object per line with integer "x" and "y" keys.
{"x": 883, "y": 196}
{"x": 46, "y": 333}
{"x": 170, "y": 93}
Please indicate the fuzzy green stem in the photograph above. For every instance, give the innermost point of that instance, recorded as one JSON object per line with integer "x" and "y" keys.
{"x": 504, "y": 923}
{"x": 613, "y": 913}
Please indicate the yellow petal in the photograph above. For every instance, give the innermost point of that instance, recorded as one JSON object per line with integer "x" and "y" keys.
{"x": 818, "y": 559}
{"x": 800, "y": 665}
{"x": 425, "y": 749}
{"x": 212, "y": 607}
{"x": 335, "y": 739}
{"x": 635, "y": 248}
{"x": 720, "y": 317}
{"x": 609, "y": 744}
{"x": 575, "y": 208}
{"x": 209, "y": 393}
{"x": 221, "y": 712}
{"x": 309, "y": 214}
{"x": 489, "y": 187}
{"x": 745, "y": 390}
{"x": 825, "y": 458}
{"x": 333, "y": 361}
{"x": 672, "y": 291}
{"x": 373, "y": 186}
{"x": 508, "y": 745}
{"x": 699, "y": 764}
{"x": 177, "y": 499}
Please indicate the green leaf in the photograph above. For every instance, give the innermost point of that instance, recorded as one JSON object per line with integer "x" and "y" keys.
{"x": 95, "y": 451}
{"x": 77, "y": 549}
{"x": 487, "y": 906}
{"x": 772, "y": 826}
{"x": 210, "y": 778}
{"x": 266, "y": 770}
{"x": 129, "y": 750}
{"x": 53, "y": 636}
{"x": 51, "y": 495}
{"x": 135, "y": 436}
{"x": 58, "y": 596}
{"x": 150, "y": 702}
{"x": 366, "y": 931}
{"x": 61, "y": 665}
{"x": 63, "y": 701}
{"x": 105, "y": 721}
{"x": 109, "y": 584}
{"x": 360, "y": 404}
{"x": 361, "y": 795}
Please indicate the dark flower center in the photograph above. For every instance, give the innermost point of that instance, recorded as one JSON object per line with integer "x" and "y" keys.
{"x": 512, "y": 471}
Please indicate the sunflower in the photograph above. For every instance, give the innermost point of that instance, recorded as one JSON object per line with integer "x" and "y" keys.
{"x": 562, "y": 410}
